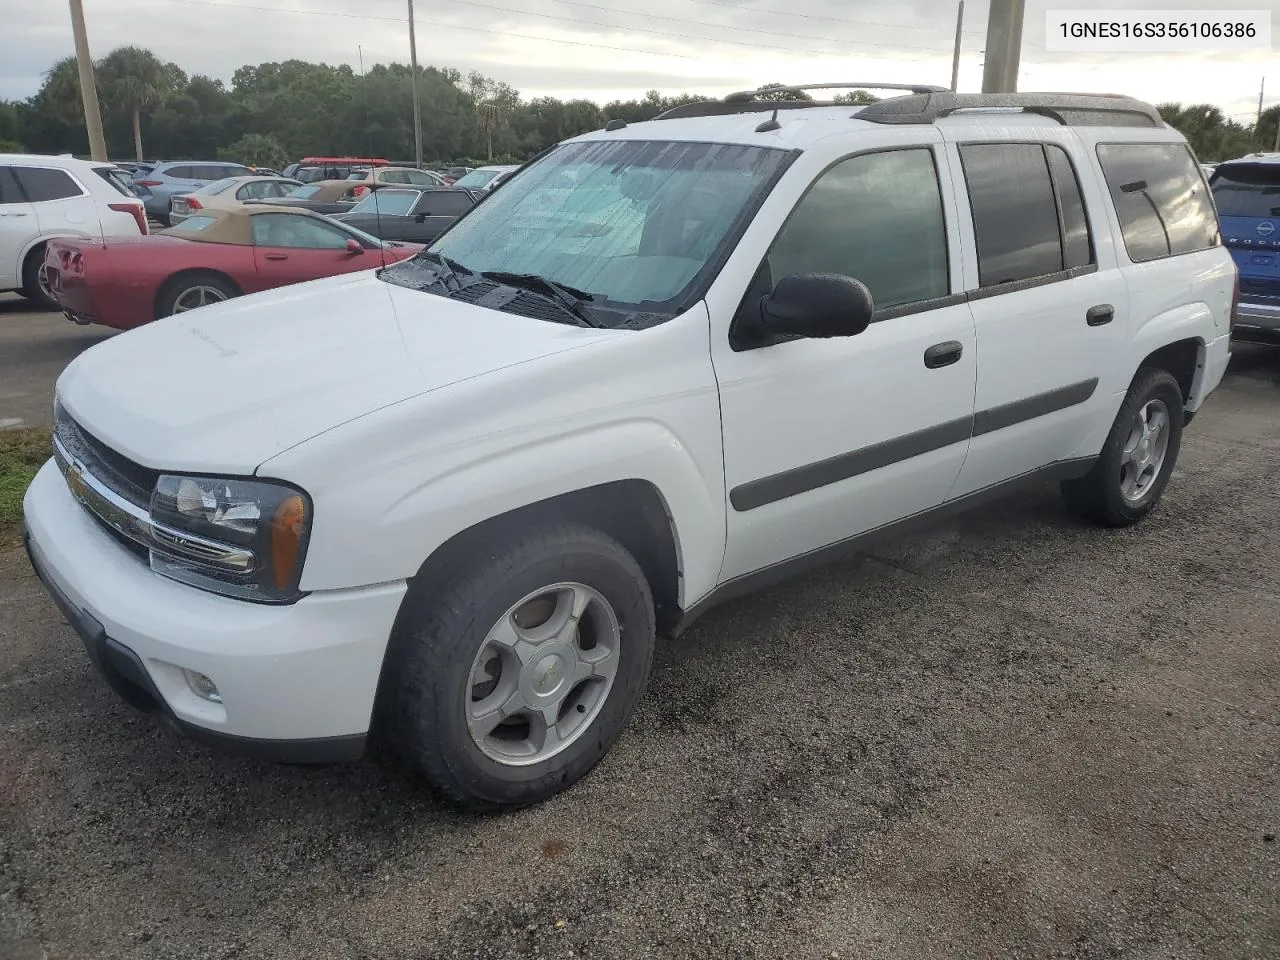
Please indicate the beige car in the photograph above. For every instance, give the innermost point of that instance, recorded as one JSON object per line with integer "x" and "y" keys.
{"x": 228, "y": 194}
{"x": 402, "y": 176}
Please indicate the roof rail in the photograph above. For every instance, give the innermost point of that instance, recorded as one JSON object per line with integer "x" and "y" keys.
{"x": 746, "y": 101}
{"x": 1069, "y": 109}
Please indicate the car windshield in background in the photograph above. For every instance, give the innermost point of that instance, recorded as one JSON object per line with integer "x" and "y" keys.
{"x": 388, "y": 203}
{"x": 631, "y": 224}
{"x": 1247, "y": 190}
{"x": 476, "y": 178}
{"x": 305, "y": 193}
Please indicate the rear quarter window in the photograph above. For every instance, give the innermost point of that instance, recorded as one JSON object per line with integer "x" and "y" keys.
{"x": 117, "y": 178}
{"x": 1160, "y": 198}
{"x": 41, "y": 184}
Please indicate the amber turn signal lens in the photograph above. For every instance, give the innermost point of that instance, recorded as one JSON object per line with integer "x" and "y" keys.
{"x": 287, "y": 528}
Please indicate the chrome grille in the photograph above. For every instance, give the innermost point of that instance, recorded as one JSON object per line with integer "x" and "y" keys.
{"x": 131, "y": 481}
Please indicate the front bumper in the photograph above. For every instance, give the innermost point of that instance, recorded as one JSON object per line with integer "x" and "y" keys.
{"x": 297, "y": 682}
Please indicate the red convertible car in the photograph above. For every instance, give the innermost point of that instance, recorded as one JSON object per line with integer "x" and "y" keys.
{"x": 124, "y": 282}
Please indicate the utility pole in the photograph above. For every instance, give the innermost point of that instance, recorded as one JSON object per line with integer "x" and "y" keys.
{"x": 955, "y": 57}
{"x": 417, "y": 110}
{"x": 1004, "y": 46}
{"x": 88, "y": 85}
{"x": 1261, "y": 89}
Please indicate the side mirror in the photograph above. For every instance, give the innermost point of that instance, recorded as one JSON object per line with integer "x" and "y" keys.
{"x": 816, "y": 305}
{"x": 353, "y": 245}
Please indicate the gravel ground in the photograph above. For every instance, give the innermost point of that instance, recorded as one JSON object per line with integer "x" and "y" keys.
{"x": 1016, "y": 736}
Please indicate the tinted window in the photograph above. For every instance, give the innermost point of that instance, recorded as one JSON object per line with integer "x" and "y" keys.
{"x": 180, "y": 173}
{"x": 299, "y": 233}
{"x": 9, "y": 192}
{"x": 40, "y": 184}
{"x": 1247, "y": 190}
{"x": 217, "y": 172}
{"x": 1015, "y": 216}
{"x": 1077, "y": 247}
{"x": 118, "y": 179}
{"x": 443, "y": 203}
{"x": 876, "y": 218}
{"x": 1160, "y": 198}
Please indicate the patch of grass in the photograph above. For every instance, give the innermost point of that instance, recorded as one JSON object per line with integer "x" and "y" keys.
{"x": 21, "y": 454}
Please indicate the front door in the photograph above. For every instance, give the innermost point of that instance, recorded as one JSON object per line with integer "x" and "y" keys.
{"x": 825, "y": 439}
{"x": 292, "y": 248}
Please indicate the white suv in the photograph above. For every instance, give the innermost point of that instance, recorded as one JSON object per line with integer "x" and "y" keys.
{"x": 453, "y": 502}
{"x": 46, "y": 197}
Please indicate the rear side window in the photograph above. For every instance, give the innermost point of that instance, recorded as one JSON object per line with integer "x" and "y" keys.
{"x": 1160, "y": 198}
{"x": 40, "y": 184}
{"x": 1077, "y": 245}
{"x": 1015, "y": 214}
{"x": 180, "y": 173}
{"x": 876, "y": 218}
{"x": 1247, "y": 190}
{"x": 117, "y": 178}
{"x": 444, "y": 203}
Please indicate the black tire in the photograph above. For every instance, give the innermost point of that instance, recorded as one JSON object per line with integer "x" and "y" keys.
{"x": 1097, "y": 495}
{"x": 175, "y": 288}
{"x": 443, "y": 627}
{"x": 31, "y": 288}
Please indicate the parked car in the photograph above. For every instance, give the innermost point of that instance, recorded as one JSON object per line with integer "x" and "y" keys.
{"x": 455, "y": 500}
{"x": 229, "y": 193}
{"x": 207, "y": 258}
{"x": 326, "y": 196}
{"x": 485, "y": 178}
{"x": 313, "y": 169}
{"x": 1247, "y": 193}
{"x": 419, "y": 216}
{"x": 397, "y": 176}
{"x": 166, "y": 180}
{"x": 45, "y": 197}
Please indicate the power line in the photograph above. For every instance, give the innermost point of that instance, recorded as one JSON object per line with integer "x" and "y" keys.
{"x": 817, "y": 16}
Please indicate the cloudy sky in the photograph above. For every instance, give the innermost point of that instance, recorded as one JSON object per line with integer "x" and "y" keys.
{"x": 604, "y": 49}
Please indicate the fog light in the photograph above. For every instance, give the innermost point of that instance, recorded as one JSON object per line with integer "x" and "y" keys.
{"x": 202, "y": 686}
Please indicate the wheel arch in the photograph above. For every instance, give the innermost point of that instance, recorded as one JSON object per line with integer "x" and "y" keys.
{"x": 1185, "y": 360}
{"x": 190, "y": 273}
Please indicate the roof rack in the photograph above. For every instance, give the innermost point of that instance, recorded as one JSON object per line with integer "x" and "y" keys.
{"x": 1069, "y": 109}
{"x": 747, "y": 101}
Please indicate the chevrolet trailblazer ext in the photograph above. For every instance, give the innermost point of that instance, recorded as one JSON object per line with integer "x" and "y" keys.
{"x": 452, "y": 501}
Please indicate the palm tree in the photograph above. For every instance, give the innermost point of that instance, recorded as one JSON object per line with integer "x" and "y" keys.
{"x": 489, "y": 117}
{"x": 61, "y": 91}
{"x": 134, "y": 79}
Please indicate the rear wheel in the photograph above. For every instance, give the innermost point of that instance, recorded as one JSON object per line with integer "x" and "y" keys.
{"x": 35, "y": 286}
{"x": 515, "y": 675}
{"x": 194, "y": 290}
{"x": 1136, "y": 461}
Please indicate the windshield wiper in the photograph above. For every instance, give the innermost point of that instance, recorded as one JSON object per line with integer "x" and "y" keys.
{"x": 572, "y": 299}
{"x": 446, "y": 269}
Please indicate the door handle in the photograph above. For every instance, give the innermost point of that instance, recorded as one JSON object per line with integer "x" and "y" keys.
{"x": 1102, "y": 313}
{"x": 276, "y": 256}
{"x": 943, "y": 354}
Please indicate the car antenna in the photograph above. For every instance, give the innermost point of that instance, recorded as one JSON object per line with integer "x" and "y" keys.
{"x": 368, "y": 141}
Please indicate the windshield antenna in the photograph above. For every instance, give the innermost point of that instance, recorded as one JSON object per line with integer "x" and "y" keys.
{"x": 373, "y": 171}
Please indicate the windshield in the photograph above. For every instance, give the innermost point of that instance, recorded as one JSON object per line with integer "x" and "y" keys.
{"x": 627, "y": 222}
{"x": 1247, "y": 190}
{"x": 304, "y": 193}
{"x": 388, "y": 203}
{"x": 476, "y": 178}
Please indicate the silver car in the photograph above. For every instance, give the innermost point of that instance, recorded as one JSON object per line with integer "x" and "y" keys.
{"x": 158, "y": 187}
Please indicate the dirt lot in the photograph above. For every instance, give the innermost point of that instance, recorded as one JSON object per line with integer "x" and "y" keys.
{"x": 1017, "y": 736}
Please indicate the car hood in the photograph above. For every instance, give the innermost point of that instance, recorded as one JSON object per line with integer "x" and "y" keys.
{"x": 227, "y": 387}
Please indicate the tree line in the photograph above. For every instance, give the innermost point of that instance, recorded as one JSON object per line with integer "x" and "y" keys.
{"x": 272, "y": 113}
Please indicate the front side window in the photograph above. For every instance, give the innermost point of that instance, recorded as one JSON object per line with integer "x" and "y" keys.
{"x": 1160, "y": 198}
{"x": 419, "y": 178}
{"x": 444, "y": 203}
{"x": 1015, "y": 215}
{"x": 626, "y": 222}
{"x": 876, "y": 218}
{"x": 41, "y": 184}
{"x": 295, "y": 232}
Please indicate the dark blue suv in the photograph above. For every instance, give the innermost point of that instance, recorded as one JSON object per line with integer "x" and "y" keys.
{"x": 1247, "y": 192}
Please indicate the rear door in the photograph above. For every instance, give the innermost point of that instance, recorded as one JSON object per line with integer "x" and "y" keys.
{"x": 18, "y": 227}
{"x": 293, "y": 248}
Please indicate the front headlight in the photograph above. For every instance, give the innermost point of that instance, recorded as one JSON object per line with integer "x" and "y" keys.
{"x": 242, "y": 538}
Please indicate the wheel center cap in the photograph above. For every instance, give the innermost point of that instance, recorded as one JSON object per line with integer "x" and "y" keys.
{"x": 548, "y": 674}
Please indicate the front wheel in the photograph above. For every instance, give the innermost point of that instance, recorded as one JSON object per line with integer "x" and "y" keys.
{"x": 515, "y": 676}
{"x": 1138, "y": 457}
